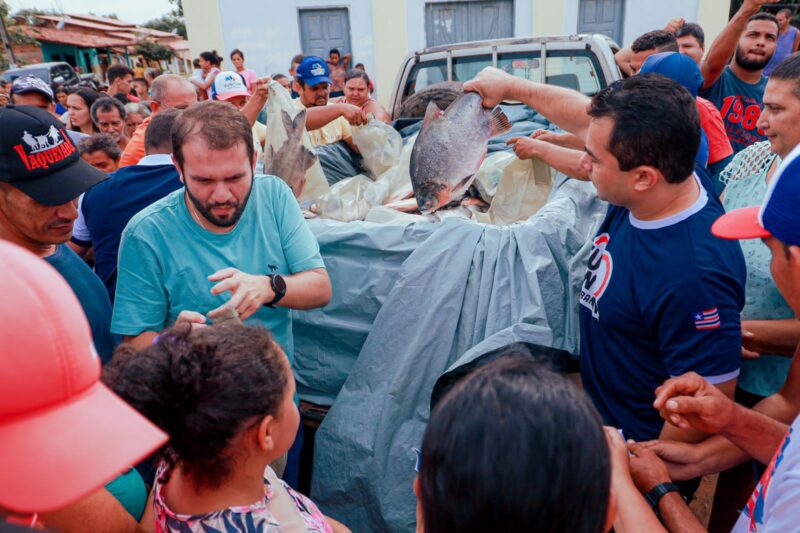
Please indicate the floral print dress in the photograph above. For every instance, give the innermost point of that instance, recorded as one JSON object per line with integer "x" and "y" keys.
{"x": 254, "y": 518}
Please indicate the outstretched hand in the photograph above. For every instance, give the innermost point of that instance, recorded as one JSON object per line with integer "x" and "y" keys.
{"x": 527, "y": 148}
{"x": 689, "y": 401}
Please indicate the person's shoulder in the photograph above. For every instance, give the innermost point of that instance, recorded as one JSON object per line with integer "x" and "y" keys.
{"x": 158, "y": 215}
{"x": 269, "y": 185}
{"x": 706, "y": 106}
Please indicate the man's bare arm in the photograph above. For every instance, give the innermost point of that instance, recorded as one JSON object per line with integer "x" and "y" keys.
{"x": 564, "y": 160}
{"x": 257, "y": 100}
{"x": 623, "y": 57}
{"x": 755, "y": 433}
{"x": 717, "y": 453}
{"x": 771, "y": 336}
{"x": 723, "y": 47}
{"x": 307, "y": 290}
{"x": 320, "y": 116}
{"x": 566, "y": 108}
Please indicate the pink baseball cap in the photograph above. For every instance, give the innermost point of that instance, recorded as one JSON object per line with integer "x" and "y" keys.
{"x": 63, "y": 434}
{"x": 227, "y": 85}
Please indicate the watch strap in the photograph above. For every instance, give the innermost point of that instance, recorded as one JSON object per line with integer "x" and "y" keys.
{"x": 659, "y": 491}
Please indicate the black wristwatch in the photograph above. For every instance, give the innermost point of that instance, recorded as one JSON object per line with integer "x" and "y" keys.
{"x": 278, "y": 287}
{"x": 658, "y": 492}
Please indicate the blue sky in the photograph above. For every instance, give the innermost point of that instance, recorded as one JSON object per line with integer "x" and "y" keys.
{"x": 137, "y": 11}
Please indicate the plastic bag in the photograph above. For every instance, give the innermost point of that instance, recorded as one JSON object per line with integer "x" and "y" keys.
{"x": 346, "y": 200}
{"x": 289, "y": 153}
{"x": 380, "y": 146}
{"x": 395, "y": 183}
{"x": 522, "y": 190}
{"x": 488, "y": 176}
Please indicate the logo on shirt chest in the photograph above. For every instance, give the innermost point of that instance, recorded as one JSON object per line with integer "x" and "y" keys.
{"x": 598, "y": 274}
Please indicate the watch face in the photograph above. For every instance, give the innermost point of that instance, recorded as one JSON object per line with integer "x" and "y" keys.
{"x": 278, "y": 284}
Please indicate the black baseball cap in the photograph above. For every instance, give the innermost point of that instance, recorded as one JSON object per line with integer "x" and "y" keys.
{"x": 38, "y": 157}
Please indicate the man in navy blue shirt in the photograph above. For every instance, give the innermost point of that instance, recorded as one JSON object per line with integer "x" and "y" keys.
{"x": 106, "y": 209}
{"x": 733, "y": 71}
{"x": 661, "y": 295}
{"x": 41, "y": 178}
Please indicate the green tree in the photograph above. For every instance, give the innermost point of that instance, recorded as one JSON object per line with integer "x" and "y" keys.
{"x": 154, "y": 51}
{"x": 794, "y": 5}
{"x": 172, "y": 21}
{"x": 168, "y": 23}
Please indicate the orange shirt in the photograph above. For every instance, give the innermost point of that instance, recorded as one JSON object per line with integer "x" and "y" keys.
{"x": 135, "y": 149}
{"x": 719, "y": 147}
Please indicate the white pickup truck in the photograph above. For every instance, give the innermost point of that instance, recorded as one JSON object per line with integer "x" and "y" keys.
{"x": 581, "y": 62}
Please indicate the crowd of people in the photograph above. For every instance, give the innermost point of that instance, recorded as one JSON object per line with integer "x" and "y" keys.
{"x": 140, "y": 240}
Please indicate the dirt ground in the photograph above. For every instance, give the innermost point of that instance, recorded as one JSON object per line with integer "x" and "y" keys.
{"x": 701, "y": 505}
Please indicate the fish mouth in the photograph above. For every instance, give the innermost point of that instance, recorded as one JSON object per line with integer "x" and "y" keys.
{"x": 430, "y": 203}
{"x": 428, "y": 206}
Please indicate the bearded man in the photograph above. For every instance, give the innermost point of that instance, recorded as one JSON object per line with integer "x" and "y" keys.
{"x": 736, "y": 86}
{"x": 228, "y": 245}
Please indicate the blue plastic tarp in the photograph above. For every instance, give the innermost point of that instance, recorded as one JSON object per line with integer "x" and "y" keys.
{"x": 410, "y": 303}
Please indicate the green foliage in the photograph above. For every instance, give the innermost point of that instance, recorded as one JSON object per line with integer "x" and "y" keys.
{"x": 171, "y": 21}
{"x": 21, "y": 38}
{"x": 178, "y": 9}
{"x": 154, "y": 51}
{"x": 33, "y": 11}
{"x": 794, "y": 5}
{"x": 168, "y": 23}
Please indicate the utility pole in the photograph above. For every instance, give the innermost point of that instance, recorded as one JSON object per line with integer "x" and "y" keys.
{"x": 12, "y": 61}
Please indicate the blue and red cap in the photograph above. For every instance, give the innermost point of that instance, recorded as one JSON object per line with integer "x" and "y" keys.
{"x": 313, "y": 70}
{"x": 777, "y": 217}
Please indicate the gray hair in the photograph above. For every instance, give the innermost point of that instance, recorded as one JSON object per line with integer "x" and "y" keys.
{"x": 106, "y": 103}
{"x": 137, "y": 108}
{"x": 160, "y": 86}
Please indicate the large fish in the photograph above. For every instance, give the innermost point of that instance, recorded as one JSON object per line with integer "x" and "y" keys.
{"x": 292, "y": 159}
{"x": 450, "y": 149}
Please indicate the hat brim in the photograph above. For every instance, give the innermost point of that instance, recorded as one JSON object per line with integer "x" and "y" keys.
{"x": 53, "y": 458}
{"x": 61, "y": 186}
{"x": 232, "y": 94}
{"x": 50, "y": 98}
{"x": 740, "y": 224}
{"x": 313, "y": 82}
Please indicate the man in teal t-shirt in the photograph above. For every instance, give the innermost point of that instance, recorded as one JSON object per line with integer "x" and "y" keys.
{"x": 226, "y": 245}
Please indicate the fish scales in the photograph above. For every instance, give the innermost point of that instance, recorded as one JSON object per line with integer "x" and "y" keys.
{"x": 450, "y": 149}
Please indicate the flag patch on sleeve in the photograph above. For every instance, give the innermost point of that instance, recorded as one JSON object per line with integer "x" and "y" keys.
{"x": 707, "y": 319}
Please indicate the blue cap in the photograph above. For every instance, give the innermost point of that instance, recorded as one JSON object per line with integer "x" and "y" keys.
{"x": 777, "y": 217}
{"x": 313, "y": 70}
{"x": 677, "y": 67}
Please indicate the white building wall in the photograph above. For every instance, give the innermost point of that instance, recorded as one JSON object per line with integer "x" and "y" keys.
{"x": 415, "y": 21}
{"x": 269, "y": 33}
{"x": 643, "y": 16}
